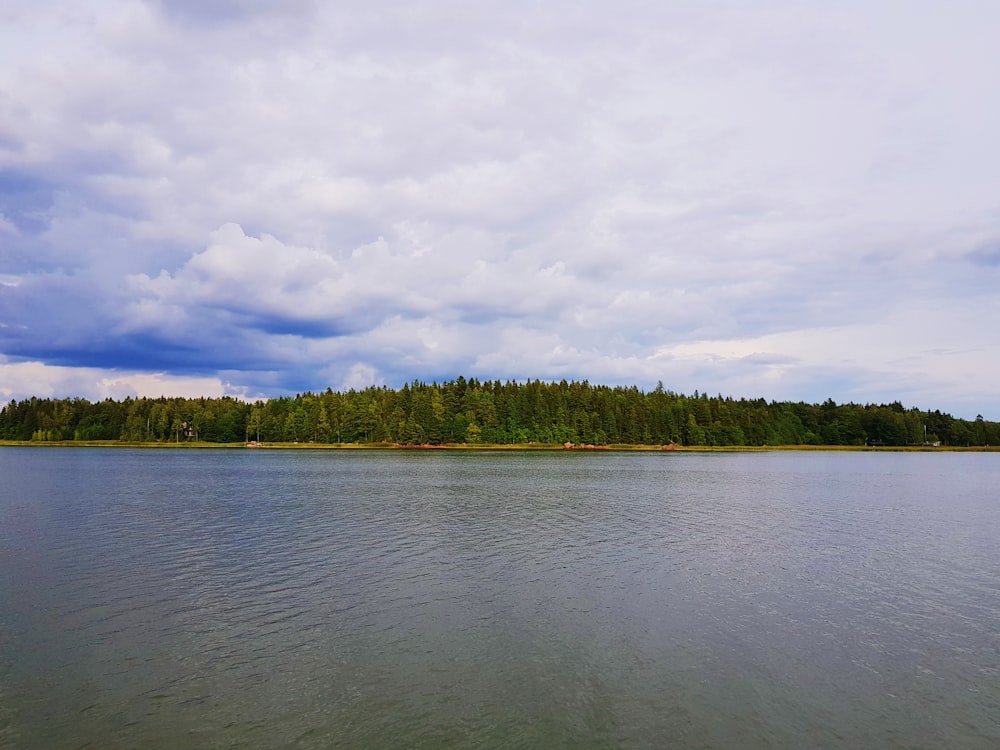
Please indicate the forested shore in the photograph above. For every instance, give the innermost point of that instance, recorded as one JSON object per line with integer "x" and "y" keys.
{"x": 488, "y": 412}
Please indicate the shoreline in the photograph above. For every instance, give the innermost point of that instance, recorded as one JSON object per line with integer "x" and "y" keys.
{"x": 484, "y": 447}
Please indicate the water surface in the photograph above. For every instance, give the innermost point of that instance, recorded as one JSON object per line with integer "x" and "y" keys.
{"x": 178, "y": 599}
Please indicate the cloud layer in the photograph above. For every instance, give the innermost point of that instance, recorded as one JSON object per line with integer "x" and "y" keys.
{"x": 787, "y": 200}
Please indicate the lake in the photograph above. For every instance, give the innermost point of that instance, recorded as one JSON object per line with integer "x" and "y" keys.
{"x": 432, "y": 599}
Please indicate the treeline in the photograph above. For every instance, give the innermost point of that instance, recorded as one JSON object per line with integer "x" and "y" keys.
{"x": 473, "y": 411}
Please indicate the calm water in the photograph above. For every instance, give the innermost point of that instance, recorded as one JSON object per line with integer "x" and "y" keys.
{"x": 213, "y": 599}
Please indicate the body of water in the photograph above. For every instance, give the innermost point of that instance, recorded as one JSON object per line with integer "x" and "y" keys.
{"x": 405, "y": 599}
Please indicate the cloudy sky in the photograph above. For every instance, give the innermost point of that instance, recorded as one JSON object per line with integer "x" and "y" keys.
{"x": 786, "y": 199}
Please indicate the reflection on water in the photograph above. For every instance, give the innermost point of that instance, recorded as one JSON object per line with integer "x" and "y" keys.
{"x": 380, "y": 599}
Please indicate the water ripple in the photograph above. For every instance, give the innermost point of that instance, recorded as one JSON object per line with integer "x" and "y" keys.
{"x": 178, "y": 599}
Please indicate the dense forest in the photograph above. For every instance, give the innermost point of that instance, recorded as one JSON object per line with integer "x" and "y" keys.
{"x": 492, "y": 412}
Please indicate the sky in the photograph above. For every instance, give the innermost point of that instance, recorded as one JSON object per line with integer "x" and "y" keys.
{"x": 787, "y": 200}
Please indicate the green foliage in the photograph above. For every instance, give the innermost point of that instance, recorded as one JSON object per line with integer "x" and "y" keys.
{"x": 470, "y": 411}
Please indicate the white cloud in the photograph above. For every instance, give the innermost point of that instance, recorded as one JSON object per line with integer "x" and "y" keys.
{"x": 20, "y": 379}
{"x": 359, "y": 377}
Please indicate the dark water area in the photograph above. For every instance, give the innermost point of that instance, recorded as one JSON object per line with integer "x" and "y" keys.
{"x": 235, "y": 599}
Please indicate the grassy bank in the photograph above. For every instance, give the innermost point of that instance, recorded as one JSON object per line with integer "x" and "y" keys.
{"x": 495, "y": 447}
